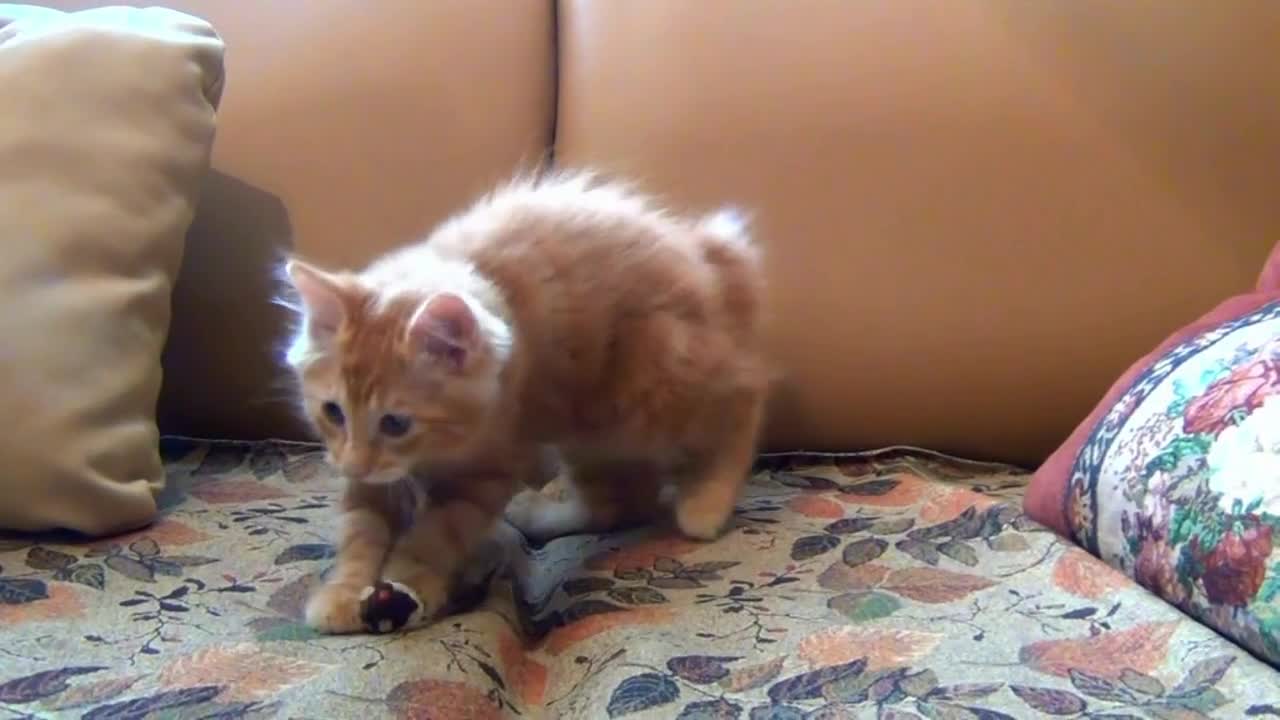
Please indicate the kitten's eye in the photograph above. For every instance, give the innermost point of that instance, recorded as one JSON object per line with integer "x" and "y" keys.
{"x": 333, "y": 413}
{"x": 393, "y": 425}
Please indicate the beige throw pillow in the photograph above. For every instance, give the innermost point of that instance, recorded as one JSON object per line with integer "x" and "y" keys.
{"x": 106, "y": 124}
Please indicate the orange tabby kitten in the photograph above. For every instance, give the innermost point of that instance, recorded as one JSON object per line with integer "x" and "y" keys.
{"x": 561, "y": 313}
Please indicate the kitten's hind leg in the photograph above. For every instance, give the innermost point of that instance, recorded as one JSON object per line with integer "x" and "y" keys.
{"x": 603, "y": 496}
{"x": 541, "y": 518}
{"x": 706, "y": 496}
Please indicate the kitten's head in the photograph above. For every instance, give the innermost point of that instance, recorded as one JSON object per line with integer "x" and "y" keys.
{"x": 393, "y": 380}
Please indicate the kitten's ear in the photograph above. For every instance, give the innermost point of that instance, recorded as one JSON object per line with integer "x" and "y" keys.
{"x": 321, "y": 297}
{"x": 445, "y": 329}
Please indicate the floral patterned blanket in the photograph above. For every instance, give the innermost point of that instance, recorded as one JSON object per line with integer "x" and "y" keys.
{"x": 890, "y": 585}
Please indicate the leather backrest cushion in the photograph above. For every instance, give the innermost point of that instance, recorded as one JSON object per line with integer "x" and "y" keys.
{"x": 977, "y": 214}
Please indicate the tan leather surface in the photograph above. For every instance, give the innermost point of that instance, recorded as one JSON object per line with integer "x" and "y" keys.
{"x": 978, "y": 213}
{"x": 104, "y": 141}
{"x": 347, "y": 126}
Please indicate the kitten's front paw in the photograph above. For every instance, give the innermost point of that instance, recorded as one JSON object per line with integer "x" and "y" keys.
{"x": 335, "y": 610}
{"x": 389, "y": 606}
{"x": 699, "y": 526}
{"x": 702, "y": 521}
{"x": 705, "y": 506}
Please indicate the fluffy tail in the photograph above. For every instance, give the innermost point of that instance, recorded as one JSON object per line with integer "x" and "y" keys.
{"x": 729, "y": 247}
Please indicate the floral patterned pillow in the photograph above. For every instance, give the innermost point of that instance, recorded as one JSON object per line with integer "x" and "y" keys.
{"x": 1175, "y": 478}
{"x": 1269, "y": 281}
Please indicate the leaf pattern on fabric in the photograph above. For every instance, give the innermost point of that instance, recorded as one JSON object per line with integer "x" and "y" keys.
{"x": 812, "y": 506}
{"x": 236, "y": 490}
{"x": 88, "y": 574}
{"x": 710, "y": 710}
{"x": 244, "y": 671}
{"x": 811, "y": 546}
{"x": 809, "y": 685}
{"x": 948, "y": 503}
{"x": 929, "y": 585}
{"x": 1050, "y": 701}
{"x": 701, "y": 669}
{"x": 40, "y": 558}
{"x": 290, "y": 598}
{"x": 880, "y": 648}
{"x": 305, "y": 552}
{"x": 1080, "y": 573}
{"x": 895, "y": 492}
{"x": 751, "y": 677}
{"x": 658, "y": 553}
{"x": 153, "y": 705}
{"x": 441, "y": 700}
{"x": 19, "y": 591}
{"x": 42, "y": 684}
{"x": 1107, "y": 655}
{"x": 584, "y": 585}
{"x": 91, "y": 693}
{"x": 861, "y": 607}
{"x": 1204, "y": 674}
{"x": 167, "y": 532}
{"x": 861, "y": 552}
{"x": 36, "y": 601}
{"x": 563, "y": 638}
{"x": 839, "y": 577}
{"x": 637, "y": 596}
{"x": 642, "y": 692}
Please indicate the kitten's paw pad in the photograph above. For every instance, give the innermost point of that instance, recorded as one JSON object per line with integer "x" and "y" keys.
{"x": 334, "y": 610}
{"x": 389, "y": 606}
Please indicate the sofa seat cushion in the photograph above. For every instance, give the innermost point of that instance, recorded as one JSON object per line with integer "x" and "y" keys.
{"x": 898, "y": 579}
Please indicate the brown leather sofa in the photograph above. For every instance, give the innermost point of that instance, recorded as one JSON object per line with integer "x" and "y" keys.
{"x": 977, "y": 215}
